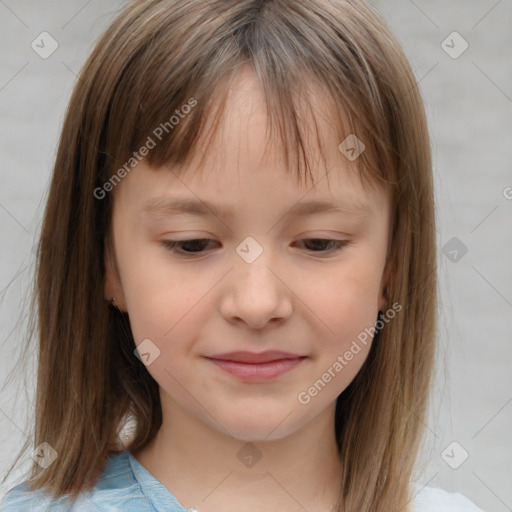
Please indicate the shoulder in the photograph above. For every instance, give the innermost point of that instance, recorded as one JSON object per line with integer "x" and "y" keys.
{"x": 430, "y": 499}
{"x": 116, "y": 489}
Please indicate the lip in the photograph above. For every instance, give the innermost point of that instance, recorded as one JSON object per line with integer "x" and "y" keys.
{"x": 253, "y": 367}
{"x": 255, "y": 357}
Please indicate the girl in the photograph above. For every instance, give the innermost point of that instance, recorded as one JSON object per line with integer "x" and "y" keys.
{"x": 215, "y": 330}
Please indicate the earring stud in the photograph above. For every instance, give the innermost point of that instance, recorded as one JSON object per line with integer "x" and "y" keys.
{"x": 113, "y": 303}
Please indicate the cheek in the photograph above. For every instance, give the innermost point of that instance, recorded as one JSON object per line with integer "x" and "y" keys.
{"x": 157, "y": 293}
{"x": 162, "y": 309}
{"x": 345, "y": 302}
{"x": 169, "y": 306}
{"x": 344, "y": 298}
{"x": 171, "y": 321}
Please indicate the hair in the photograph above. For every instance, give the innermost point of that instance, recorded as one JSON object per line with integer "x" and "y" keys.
{"x": 156, "y": 57}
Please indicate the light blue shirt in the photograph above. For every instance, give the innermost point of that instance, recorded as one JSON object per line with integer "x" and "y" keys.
{"x": 125, "y": 485}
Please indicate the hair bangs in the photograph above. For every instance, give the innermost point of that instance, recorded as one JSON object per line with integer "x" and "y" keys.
{"x": 168, "y": 107}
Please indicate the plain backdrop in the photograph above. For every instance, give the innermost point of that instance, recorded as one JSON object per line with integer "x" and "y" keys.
{"x": 460, "y": 53}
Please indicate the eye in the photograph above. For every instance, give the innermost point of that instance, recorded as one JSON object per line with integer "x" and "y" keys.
{"x": 194, "y": 246}
{"x": 197, "y": 246}
{"x": 319, "y": 243}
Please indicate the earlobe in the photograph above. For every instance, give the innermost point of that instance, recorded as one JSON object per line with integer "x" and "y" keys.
{"x": 383, "y": 298}
{"x": 384, "y": 294}
{"x": 112, "y": 282}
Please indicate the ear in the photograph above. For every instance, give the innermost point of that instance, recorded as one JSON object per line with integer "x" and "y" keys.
{"x": 387, "y": 279}
{"x": 112, "y": 285}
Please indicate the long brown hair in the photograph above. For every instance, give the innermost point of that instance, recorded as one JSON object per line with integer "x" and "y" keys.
{"x": 156, "y": 57}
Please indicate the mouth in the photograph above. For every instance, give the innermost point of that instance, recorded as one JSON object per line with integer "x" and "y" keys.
{"x": 255, "y": 357}
{"x": 251, "y": 366}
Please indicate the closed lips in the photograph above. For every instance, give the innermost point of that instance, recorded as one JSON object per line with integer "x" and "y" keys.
{"x": 255, "y": 358}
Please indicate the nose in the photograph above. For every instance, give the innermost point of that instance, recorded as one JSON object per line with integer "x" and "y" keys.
{"x": 256, "y": 294}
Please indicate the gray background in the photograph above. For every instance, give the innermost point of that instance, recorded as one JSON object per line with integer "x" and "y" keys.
{"x": 469, "y": 105}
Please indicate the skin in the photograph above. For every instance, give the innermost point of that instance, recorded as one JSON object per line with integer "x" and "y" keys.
{"x": 292, "y": 297}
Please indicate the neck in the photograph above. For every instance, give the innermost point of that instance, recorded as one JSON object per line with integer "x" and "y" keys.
{"x": 206, "y": 468}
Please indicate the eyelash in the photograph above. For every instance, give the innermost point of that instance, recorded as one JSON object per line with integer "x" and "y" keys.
{"x": 172, "y": 245}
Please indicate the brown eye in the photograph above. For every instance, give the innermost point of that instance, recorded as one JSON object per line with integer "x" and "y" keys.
{"x": 186, "y": 247}
{"x": 197, "y": 246}
{"x": 324, "y": 245}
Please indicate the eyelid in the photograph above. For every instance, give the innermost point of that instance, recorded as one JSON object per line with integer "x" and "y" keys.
{"x": 173, "y": 245}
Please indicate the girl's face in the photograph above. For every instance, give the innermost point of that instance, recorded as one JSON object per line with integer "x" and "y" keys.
{"x": 262, "y": 279}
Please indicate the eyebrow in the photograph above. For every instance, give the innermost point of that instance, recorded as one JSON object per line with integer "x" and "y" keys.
{"x": 175, "y": 206}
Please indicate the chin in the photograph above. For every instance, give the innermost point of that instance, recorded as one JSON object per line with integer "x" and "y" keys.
{"x": 257, "y": 434}
{"x": 259, "y": 427}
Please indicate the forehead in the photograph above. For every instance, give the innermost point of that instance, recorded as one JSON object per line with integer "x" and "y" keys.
{"x": 243, "y": 156}
{"x": 246, "y": 120}
{"x": 250, "y": 130}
